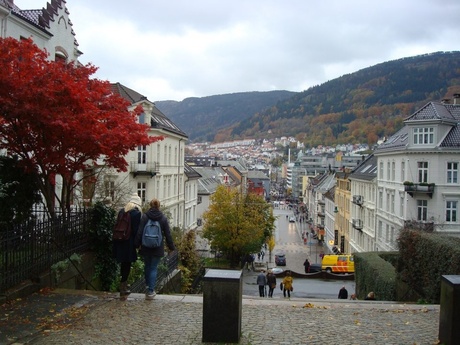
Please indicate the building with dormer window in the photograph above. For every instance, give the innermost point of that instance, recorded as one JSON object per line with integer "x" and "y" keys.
{"x": 417, "y": 175}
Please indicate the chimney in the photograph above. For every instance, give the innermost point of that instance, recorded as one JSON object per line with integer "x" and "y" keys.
{"x": 456, "y": 98}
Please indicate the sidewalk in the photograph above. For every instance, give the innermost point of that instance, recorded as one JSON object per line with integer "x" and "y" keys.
{"x": 82, "y": 317}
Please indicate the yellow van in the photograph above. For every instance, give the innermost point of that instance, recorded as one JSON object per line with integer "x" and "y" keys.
{"x": 338, "y": 263}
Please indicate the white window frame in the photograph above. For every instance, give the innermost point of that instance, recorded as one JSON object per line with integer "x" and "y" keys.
{"x": 452, "y": 172}
{"x": 451, "y": 211}
{"x": 141, "y": 191}
{"x": 422, "y": 210}
{"x": 142, "y": 154}
{"x": 422, "y": 172}
{"x": 423, "y": 135}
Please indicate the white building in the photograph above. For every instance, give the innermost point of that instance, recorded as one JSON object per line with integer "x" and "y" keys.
{"x": 157, "y": 170}
{"x": 418, "y": 174}
{"x": 50, "y": 28}
{"x": 363, "y": 190}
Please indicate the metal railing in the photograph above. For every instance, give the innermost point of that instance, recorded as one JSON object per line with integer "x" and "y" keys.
{"x": 29, "y": 249}
{"x": 166, "y": 267}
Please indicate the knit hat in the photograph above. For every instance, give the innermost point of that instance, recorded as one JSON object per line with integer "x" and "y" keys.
{"x": 136, "y": 200}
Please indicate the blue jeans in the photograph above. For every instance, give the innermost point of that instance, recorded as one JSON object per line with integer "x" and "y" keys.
{"x": 150, "y": 270}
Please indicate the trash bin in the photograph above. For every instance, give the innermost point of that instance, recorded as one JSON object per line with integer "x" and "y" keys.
{"x": 222, "y": 301}
{"x": 449, "y": 316}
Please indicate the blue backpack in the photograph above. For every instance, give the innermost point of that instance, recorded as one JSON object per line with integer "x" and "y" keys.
{"x": 152, "y": 236}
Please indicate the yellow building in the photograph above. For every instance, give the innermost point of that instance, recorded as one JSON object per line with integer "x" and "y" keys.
{"x": 342, "y": 216}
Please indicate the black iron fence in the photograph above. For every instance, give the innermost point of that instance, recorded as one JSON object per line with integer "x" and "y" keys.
{"x": 166, "y": 267}
{"x": 28, "y": 250}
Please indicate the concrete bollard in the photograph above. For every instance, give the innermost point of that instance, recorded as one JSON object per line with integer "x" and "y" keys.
{"x": 222, "y": 304}
{"x": 449, "y": 318}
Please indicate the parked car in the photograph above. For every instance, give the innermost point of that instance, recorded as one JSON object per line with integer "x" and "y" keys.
{"x": 291, "y": 219}
{"x": 280, "y": 259}
{"x": 315, "y": 268}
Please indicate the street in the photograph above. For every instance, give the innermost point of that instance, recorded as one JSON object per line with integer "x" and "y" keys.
{"x": 288, "y": 239}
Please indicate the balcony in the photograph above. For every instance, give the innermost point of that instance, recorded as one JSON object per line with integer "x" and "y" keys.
{"x": 419, "y": 225}
{"x": 321, "y": 202}
{"x": 149, "y": 169}
{"x": 357, "y": 224}
{"x": 358, "y": 200}
{"x": 419, "y": 188}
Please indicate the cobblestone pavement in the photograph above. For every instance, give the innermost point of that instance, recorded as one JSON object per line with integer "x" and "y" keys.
{"x": 177, "y": 319}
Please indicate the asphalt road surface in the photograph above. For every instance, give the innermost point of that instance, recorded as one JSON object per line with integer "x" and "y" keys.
{"x": 288, "y": 239}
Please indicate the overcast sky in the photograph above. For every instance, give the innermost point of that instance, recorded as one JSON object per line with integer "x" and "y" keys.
{"x": 171, "y": 50}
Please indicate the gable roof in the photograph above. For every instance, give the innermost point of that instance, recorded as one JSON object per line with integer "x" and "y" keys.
{"x": 436, "y": 112}
{"x": 191, "y": 173}
{"x": 40, "y": 18}
{"x": 367, "y": 170}
{"x": 209, "y": 181}
{"x": 158, "y": 119}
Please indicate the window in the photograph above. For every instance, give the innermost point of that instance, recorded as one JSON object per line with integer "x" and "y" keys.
{"x": 388, "y": 170}
{"x": 109, "y": 188}
{"x": 142, "y": 154}
{"x": 423, "y": 136}
{"x": 401, "y": 209}
{"x": 158, "y": 153}
{"x": 381, "y": 170}
{"x": 141, "y": 189}
{"x": 142, "y": 118}
{"x": 452, "y": 172}
{"x": 422, "y": 172}
{"x": 422, "y": 208}
{"x": 380, "y": 199}
{"x": 451, "y": 211}
{"x": 403, "y": 171}
{"x": 393, "y": 171}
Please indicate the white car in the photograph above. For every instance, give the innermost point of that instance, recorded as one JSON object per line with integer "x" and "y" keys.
{"x": 291, "y": 219}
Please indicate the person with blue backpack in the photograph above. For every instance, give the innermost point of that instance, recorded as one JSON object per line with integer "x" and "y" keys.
{"x": 153, "y": 231}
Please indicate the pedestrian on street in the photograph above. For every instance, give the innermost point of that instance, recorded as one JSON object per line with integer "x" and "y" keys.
{"x": 306, "y": 264}
{"x": 124, "y": 252}
{"x": 271, "y": 282}
{"x": 287, "y": 285}
{"x": 262, "y": 282}
{"x": 153, "y": 256}
{"x": 343, "y": 293}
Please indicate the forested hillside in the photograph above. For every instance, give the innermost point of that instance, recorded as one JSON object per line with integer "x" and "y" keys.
{"x": 201, "y": 118}
{"x": 358, "y": 107}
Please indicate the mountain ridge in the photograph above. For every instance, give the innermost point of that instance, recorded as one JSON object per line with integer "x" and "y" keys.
{"x": 357, "y": 107}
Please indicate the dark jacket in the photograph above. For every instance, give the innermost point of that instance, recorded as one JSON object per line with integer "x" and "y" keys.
{"x": 343, "y": 293}
{"x": 155, "y": 214}
{"x": 125, "y": 251}
{"x": 271, "y": 280}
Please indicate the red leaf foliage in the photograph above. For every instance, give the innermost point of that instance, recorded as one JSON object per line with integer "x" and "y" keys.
{"x": 57, "y": 118}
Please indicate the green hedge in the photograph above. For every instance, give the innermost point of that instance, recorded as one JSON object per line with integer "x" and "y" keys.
{"x": 424, "y": 258}
{"x": 375, "y": 272}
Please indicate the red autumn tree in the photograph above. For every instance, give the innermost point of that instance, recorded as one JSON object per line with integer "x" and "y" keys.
{"x": 58, "y": 120}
